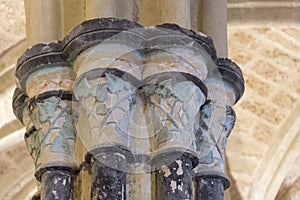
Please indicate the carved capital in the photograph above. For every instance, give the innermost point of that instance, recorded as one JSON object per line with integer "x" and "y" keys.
{"x": 211, "y": 139}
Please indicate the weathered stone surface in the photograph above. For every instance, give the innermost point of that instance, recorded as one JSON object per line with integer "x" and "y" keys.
{"x": 47, "y": 80}
{"x": 52, "y": 120}
{"x": 209, "y": 188}
{"x": 174, "y": 180}
{"x": 19, "y": 104}
{"x": 122, "y": 107}
{"x": 248, "y": 123}
{"x": 225, "y": 85}
{"x": 46, "y": 60}
{"x": 107, "y": 183}
{"x": 57, "y": 184}
{"x": 205, "y": 41}
{"x": 81, "y": 38}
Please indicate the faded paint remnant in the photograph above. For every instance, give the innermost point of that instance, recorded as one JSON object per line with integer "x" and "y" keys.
{"x": 180, "y": 187}
{"x": 179, "y": 170}
{"x": 166, "y": 171}
{"x": 55, "y": 194}
{"x": 173, "y": 186}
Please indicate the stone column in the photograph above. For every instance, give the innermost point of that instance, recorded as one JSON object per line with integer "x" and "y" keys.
{"x": 144, "y": 100}
{"x": 225, "y": 87}
{"x": 44, "y": 21}
{"x": 100, "y": 8}
{"x": 174, "y": 91}
{"x": 31, "y": 137}
{"x": 106, "y": 65}
{"x": 153, "y": 12}
{"x": 213, "y": 22}
{"x": 108, "y": 173}
{"x": 47, "y": 80}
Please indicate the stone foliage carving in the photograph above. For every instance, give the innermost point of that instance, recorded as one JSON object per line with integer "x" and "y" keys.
{"x": 53, "y": 131}
{"x": 213, "y": 132}
{"x": 105, "y": 106}
{"x": 173, "y": 110}
{"x": 114, "y": 108}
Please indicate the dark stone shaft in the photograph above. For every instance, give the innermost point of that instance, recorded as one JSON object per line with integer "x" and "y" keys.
{"x": 209, "y": 188}
{"x": 175, "y": 181}
{"x": 107, "y": 183}
{"x": 57, "y": 184}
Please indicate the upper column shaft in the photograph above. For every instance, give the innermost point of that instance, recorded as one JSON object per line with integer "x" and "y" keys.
{"x": 101, "y": 8}
{"x": 213, "y": 22}
{"x": 152, "y": 12}
{"x": 43, "y": 21}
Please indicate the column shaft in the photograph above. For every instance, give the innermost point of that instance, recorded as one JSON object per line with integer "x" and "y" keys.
{"x": 213, "y": 16}
{"x": 101, "y": 8}
{"x": 174, "y": 181}
{"x": 43, "y": 21}
{"x": 153, "y": 12}
{"x": 209, "y": 188}
{"x": 57, "y": 184}
{"x": 73, "y": 14}
{"x": 107, "y": 183}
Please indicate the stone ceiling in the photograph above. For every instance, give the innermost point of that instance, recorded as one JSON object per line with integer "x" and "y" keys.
{"x": 268, "y": 115}
{"x": 265, "y": 143}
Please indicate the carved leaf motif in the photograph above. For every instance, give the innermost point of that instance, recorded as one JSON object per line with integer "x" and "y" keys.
{"x": 67, "y": 130}
{"x": 101, "y": 92}
{"x": 47, "y": 108}
{"x": 83, "y": 89}
{"x": 122, "y": 125}
{"x": 207, "y": 110}
{"x": 199, "y": 135}
{"x": 183, "y": 91}
{"x": 185, "y": 118}
{"x": 206, "y": 157}
{"x": 229, "y": 124}
{"x": 149, "y": 90}
{"x": 163, "y": 136}
{"x": 164, "y": 90}
{"x": 34, "y": 145}
{"x": 206, "y": 154}
{"x": 116, "y": 84}
{"x": 202, "y": 143}
{"x": 60, "y": 145}
{"x": 156, "y": 120}
{"x": 101, "y": 109}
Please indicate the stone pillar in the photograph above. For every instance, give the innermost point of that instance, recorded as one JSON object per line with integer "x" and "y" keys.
{"x": 153, "y": 12}
{"x": 174, "y": 94}
{"x": 143, "y": 100}
{"x": 100, "y": 8}
{"x": 31, "y": 137}
{"x": 210, "y": 188}
{"x": 213, "y": 22}
{"x": 47, "y": 80}
{"x": 73, "y": 14}
{"x": 225, "y": 87}
{"x": 44, "y": 21}
{"x": 106, "y": 66}
{"x": 175, "y": 180}
{"x": 108, "y": 174}
{"x": 57, "y": 184}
